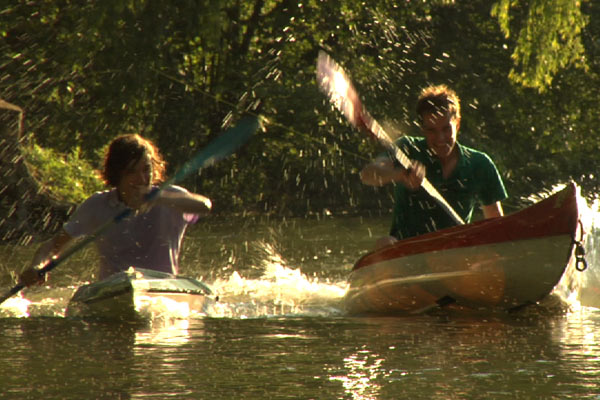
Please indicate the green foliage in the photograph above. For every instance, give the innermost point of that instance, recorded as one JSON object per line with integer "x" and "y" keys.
{"x": 180, "y": 72}
{"x": 548, "y": 40}
{"x": 66, "y": 178}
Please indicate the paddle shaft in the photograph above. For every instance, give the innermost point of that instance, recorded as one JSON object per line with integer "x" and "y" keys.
{"x": 68, "y": 252}
{"x": 376, "y": 130}
{"x": 219, "y": 148}
{"x": 334, "y": 81}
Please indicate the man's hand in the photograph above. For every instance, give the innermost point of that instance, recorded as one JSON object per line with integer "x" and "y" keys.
{"x": 415, "y": 176}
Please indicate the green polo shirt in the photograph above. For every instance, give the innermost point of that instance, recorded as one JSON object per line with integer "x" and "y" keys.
{"x": 475, "y": 181}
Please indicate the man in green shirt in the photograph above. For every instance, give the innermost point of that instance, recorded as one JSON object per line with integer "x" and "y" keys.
{"x": 464, "y": 176}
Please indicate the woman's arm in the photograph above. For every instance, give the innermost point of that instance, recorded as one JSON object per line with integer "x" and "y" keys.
{"x": 183, "y": 201}
{"x": 47, "y": 250}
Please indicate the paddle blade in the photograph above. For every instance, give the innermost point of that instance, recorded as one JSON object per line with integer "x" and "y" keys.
{"x": 335, "y": 83}
{"x": 221, "y": 147}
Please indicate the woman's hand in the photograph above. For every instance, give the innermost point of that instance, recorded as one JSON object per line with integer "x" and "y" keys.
{"x": 49, "y": 250}
{"x": 32, "y": 276}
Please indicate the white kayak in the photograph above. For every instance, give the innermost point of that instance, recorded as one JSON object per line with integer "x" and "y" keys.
{"x": 141, "y": 294}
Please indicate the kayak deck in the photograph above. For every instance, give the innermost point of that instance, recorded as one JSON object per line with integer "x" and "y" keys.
{"x": 139, "y": 294}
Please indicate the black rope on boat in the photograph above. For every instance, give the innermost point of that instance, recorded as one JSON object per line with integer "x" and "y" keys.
{"x": 580, "y": 262}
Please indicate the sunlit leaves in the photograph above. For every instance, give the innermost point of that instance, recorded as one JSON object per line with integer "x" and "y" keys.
{"x": 548, "y": 38}
{"x": 66, "y": 178}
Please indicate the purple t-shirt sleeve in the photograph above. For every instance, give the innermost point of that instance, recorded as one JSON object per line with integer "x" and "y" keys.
{"x": 87, "y": 215}
{"x": 189, "y": 218}
{"x": 151, "y": 240}
{"x": 104, "y": 206}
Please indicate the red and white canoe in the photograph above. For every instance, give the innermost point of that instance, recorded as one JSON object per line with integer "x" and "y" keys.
{"x": 495, "y": 264}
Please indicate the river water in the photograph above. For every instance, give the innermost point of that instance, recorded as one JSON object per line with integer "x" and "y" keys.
{"x": 279, "y": 331}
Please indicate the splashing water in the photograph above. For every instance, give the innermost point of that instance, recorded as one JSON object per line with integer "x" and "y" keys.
{"x": 268, "y": 285}
{"x": 589, "y": 294}
{"x": 281, "y": 290}
{"x": 581, "y": 288}
{"x": 43, "y": 301}
{"x": 15, "y": 307}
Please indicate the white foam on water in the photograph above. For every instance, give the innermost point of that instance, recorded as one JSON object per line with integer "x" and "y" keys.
{"x": 281, "y": 290}
{"x": 161, "y": 308}
{"x": 589, "y": 293}
{"x": 15, "y": 307}
{"x": 43, "y": 301}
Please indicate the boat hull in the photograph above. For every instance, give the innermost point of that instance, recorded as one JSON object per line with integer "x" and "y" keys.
{"x": 139, "y": 294}
{"x": 496, "y": 264}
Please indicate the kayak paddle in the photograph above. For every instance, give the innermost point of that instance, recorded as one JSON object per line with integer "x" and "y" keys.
{"x": 336, "y": 84}
{"x": 219, "y": 148}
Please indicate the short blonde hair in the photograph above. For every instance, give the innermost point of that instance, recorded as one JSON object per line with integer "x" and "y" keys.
{"x": 438, "y": 99}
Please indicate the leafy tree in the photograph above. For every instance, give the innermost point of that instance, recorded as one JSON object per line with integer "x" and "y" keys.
{"x": 548, "y": 40}
{"x": 179, "y": 72}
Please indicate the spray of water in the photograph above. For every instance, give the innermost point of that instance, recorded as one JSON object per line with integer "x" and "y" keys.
{"x": 589, "y": 294}
{"x": 281, "y": 291}
{"x": 581, "y": 288}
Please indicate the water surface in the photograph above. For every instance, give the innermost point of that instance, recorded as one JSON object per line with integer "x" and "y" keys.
{"x": 280, "y": 332}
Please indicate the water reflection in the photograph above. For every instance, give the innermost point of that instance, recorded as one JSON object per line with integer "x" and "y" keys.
{"x": 536, "y": 356}
{"x": 67, "y": 358}
{"x": 435, "y": 356}
{"x": 53, "y": 354}
{"x": 171, "y": 332}
{"x": 280, "y": 333}
{"x": 580, "y": 339}
{"x": 360, "y": 381}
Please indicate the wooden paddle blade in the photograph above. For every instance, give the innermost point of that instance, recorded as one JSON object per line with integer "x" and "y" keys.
{"x": 335, "y": 83}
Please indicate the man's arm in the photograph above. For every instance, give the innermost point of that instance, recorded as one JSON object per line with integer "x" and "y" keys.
{"x": 382, "y": 171}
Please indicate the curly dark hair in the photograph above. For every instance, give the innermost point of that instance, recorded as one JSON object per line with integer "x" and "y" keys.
{"x": 127, "y": 149}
